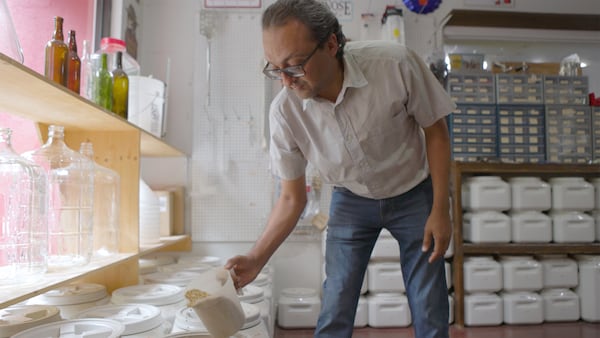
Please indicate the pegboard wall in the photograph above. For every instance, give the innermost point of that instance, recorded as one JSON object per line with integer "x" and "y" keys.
{"x": 232, "y": 186}
{"x": 231, "y": 182}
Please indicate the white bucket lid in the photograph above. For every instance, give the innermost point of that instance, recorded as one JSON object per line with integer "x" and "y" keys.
{"x": 251, "y": 294}
{"x": 261, "y": 280}
{"x": 137, "y": 318}
{"x": 185, "y": 266}
{"x": 72, "y": 294}
{"x": 189, "y": 334}
{"x": 191, "y": 258}
{"x": 187, "y": 319}
{"x": 252, "y": 313}
{"x": 97, "y": 328}
{"x": 159, "y": 259}
{"x": 299, "y": 292}
{"x": 22, "y": 317}
{"x": 146, "y": 267}
{"x": 153, "y": 294}
{"x": 179, "y": 278}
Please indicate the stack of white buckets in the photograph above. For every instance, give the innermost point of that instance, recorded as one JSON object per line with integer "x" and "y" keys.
{"x": 531, "y": 289}
{"x": 156, "y": 308}
{"x": 382, "y": 304}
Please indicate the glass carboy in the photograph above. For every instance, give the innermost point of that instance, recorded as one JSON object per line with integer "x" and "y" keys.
{"x": 23, "y": 215}
{"x": 107, "y": 190}
{"x": 71, "y": 192}
{"x": 9, "y": 43}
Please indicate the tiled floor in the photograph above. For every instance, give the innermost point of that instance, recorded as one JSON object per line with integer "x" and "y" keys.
{"x": 551, "y": 330}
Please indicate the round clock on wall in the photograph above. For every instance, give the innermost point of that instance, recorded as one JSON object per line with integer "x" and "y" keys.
{"x": 422, "y": 6}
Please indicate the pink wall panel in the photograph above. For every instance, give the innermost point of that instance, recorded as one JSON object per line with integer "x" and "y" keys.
{"x": 34, "y": 24}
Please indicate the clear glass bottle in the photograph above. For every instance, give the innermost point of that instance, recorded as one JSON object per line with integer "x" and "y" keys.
{"x": 107, "y": 191}
{"x": 103, "y": 85}
{"x": 73, "y": 65}
{"x": 56, "y": 54}
{"x": 120, "y": 88}
{"x": 87, "y": 71}
{"x": 23, "y": 216}
{"x": 71, "y": 193}
{"x": 9, "y": 43}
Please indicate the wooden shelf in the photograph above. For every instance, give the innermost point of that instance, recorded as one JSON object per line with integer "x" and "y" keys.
{"x": 30, "y": 95}
{"x": 461, "y": 170}
{"x": 171, "y": 243}
{"x": 118, "y": 145}
{"x": 107, "y": 267}
{"x": 531, "y": 249}
{"x": 14, "y": 294}
{"x": 506, "y": 19}
{"x": 528, "y": 169}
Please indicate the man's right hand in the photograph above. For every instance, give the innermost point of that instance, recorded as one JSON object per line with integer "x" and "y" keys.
{"x": 245, "y": 270}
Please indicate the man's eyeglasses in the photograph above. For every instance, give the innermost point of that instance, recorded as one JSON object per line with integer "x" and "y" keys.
{"x": 291, "y": 71}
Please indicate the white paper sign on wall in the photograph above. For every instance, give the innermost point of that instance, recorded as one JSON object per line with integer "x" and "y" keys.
{"x": 343, "y": 9}
{"x": 224, "y": 4}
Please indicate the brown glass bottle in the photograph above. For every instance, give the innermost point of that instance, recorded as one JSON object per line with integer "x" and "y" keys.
{"x": 73, "y": 65}
{"x": 56, "y": 53}
{"x": 120, "y": 88}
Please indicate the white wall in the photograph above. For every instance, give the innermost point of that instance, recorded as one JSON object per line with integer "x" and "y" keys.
{"x": 227, "y": 176}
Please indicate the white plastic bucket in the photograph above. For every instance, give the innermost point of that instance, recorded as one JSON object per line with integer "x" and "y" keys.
{"x": 19, "y": 318}
{"x": 74, "y": 298}
{"x": 560, "y": 305}
{"x": 388, "y": 309}
{"x": 486, "y": 227}
{"x": 486, "y": 193}
{"x": 523, "y": 308}
{"x": 97, "y": 328}
{"x": 168, "y": 298}
{"x": 140, "y": 320}
{"x": 483, "y": 309}
{"x": 298, "y": 308}
{"x": 385, "y": 277}
{"x": 572, "y": 193}
{"x": 531, "y": 227}
{"x": 530, "y": 193}
{"x": 482, "y": 274}
{"x": 521, "y": 273}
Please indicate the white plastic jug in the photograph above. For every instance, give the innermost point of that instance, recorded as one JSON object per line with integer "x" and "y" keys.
{"x": 220, "y": 302}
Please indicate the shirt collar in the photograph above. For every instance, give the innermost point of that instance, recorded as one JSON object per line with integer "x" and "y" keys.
{"x": 353, "y": 78}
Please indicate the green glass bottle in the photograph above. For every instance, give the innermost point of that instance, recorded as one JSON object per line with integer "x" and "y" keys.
{"x": 103, "y": 85}
{"x": 120, "y": 88}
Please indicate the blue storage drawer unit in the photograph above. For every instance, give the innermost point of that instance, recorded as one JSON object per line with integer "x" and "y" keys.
{"x": 596, "y": 134}
{"x": 473, "y": 133}
{"x": 568, "y": 134}
{"x": 519, "y": 89}
{"x": 471, "y": 88}
{"x": 521, "y": 133}
{"x": 566, "y": 90}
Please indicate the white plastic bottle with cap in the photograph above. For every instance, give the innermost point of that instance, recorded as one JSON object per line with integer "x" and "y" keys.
{"x": 393, "y": 25}
{"x": 111, "y": 46}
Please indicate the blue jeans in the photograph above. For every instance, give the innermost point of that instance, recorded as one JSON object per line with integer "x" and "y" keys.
{"x": 353, "y": 227}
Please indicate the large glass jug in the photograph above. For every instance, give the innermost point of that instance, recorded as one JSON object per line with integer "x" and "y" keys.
{"x": 71, "y": 192}
{"x": 107, "y": 191}
{"x": 9, "y": 43}
{"x": 23, "y": 215}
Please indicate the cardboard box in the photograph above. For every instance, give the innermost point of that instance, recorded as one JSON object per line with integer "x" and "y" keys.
{"x": 177, "y": 194}
{"x": 166, "y": 205}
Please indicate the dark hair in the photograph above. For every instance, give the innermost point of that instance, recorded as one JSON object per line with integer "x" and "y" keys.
{"x": 314, "y": 14}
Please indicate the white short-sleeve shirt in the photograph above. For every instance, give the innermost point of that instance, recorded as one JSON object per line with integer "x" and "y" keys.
{"x": 370, "y": 140}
